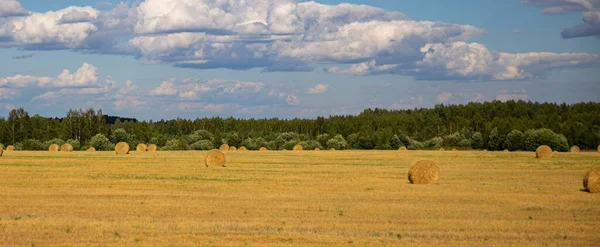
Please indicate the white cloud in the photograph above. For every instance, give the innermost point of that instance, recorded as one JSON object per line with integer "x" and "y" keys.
{"x": 8, "y": 93}
{"x": 444, "y": 97}
{"x": 46, "y": 29}
{"x": 292, "y": 100}
{"x": 318, "y": 89}
{"x": 11, "y": 8}
{"x": 590, "y": 10}
{"x": 473, "y": 61}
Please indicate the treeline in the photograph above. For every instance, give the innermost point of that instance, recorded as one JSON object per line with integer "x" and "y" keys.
{"x": 513, "y": 125}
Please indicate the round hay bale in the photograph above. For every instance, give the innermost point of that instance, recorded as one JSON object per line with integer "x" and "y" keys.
{"x": 317, "y": 149}
{"x": 506, "y": 150}
{"x": 332, "y": 149}
{"x": 591, "y": 180}
{"x": 242, "y": 148}
{"x": 122, "y": 148}
{"x": 215, "y": 157}
{"x": 91, "y": 149}
{"x": 485, "y": 150}
{"x": 423, "y": 172}
{"x": 1, "y": 150}
{"x": 53, "y": 148}
{"x": 224, "y": 147}
{"x": 152, "y": 148}
{"x": 66, "y": 148}
{"x": 10, "y": 148}
{"x": 284, "y": 149}
{"x": 543, "y": 152}
{"x": 454, "y": 150}
{"x": 232, "y": 148}
{"x": 574, "y": 149}
{"x": 403, "y": 148}
{"x": 263, "y": 149}
{"x": 442, "y": 149}
{"x": 598, "y": 148}
{"x": 298, "y": 147}
{"x": 141, "y": 147}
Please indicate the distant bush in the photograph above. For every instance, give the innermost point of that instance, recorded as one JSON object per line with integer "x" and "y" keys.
{"x": 535, "y": 138}
{"x": 33, "y": 145}
{"x": 337, "y": 142}
{"x": 101, "y": 143}
{"x": 203, "y": 145}
{"x": 514, "y": 140}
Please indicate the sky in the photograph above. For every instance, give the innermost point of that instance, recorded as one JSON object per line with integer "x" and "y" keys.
{"x": 163, "y": 59}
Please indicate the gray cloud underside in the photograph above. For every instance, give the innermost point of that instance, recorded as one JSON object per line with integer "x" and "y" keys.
{"x": 282, "y": 35}
{"x": 590, "y": 9}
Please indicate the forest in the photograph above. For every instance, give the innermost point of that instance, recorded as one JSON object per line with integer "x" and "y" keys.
{"x": 512, "y": 125}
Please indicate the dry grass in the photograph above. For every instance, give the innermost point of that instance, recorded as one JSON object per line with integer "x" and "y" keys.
{"x": 543, "y": 152}
{"x": 591, "y": 180}
{"x": 66, "y": 148}
{"x": 141, "y": 147}
{"x": 54, "y": 148}
{"x": 342, "y": 198}
{"x": 122, "y": 148}
{"x": 215, "y": 157}
{"x": 298, "y": 147}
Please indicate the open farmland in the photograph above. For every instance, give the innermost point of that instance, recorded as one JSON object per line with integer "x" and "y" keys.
{"x": 296, "y": 198}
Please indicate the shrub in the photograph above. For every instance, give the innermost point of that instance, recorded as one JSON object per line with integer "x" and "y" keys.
{"x": 33, "y": 144}
{"x": 101, "y": 143}
{"x": 396, "y": 143}
{"x": 75, "y": 143}
{"x": 535, "y": 138}
{"x": 337, "y": 142}
{"x": 434, "y": 143}
{"x": 514, "y": 140}
{"x": 323, "y": 139}
{"x": 203, "y": 145}
{"x": 477, "y": 140}
{"x": 174, "y": 144}
{"x": 495, "y": 140}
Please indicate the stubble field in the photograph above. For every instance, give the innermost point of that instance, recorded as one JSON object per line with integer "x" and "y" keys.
{"x": 321, "y": 198}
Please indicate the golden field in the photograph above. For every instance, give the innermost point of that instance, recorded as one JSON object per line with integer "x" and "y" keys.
{"x": 288, "y": 198}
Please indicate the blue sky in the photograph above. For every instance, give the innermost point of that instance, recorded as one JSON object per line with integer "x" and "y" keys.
{"x": 158, "y": 59}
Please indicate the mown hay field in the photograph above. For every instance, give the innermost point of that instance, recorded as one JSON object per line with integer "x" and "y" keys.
{"x": 274, "y": 198}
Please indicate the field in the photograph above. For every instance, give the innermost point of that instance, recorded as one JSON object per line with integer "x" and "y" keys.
{"x": 290, "y": 198}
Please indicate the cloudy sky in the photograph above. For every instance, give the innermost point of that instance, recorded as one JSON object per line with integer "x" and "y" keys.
{"x": 158, "y": 59}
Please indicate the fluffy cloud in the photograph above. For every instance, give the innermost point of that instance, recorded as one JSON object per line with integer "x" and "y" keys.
{"x": 8, "y": 93}
{"x": 318, "y": 89}
{"x": 589, "y": 8}
{"x": 444, "y": 97}
{"x": 279, "y": 35}
{"x": 47, "y": 30}
{"x": 283, "y": 35}
{"x": 11, "y": 8}
{"x": 81, "y": 87}
{"x": 221, "y": 92}
{"x": 473, "y": 61}
{"x": 86, "y": 76}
